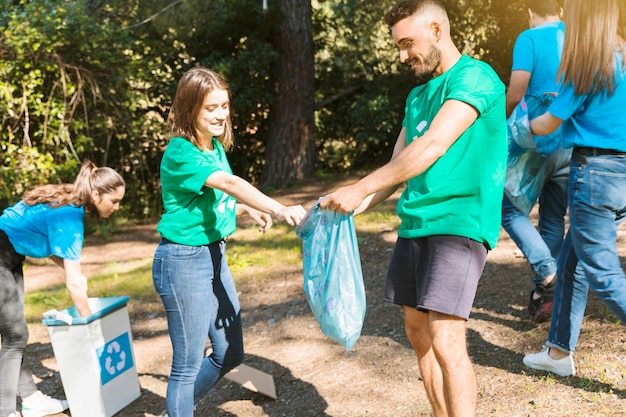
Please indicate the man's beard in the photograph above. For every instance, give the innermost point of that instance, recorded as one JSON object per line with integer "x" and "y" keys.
{"x": 431, "y": 62}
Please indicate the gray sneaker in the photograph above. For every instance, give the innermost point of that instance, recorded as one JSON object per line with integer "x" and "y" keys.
{"x": 543, "y": 362}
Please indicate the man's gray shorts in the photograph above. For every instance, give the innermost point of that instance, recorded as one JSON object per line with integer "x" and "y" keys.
{"x": 436, "y": 273}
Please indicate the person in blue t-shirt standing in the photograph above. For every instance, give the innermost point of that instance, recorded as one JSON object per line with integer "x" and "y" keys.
{"x": 536, "y": 58}
{"x": 590, "y": 106}
{"x": 47, "y": 222}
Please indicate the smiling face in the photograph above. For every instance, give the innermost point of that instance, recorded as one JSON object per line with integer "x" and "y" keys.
{"x": 214, "y": 114}
{"x": 417, "y": 42}
{"x": 108, "y": 203}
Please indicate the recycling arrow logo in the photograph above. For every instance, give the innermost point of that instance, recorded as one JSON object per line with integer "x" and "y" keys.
{"x": 115, "y": 358}
{"x": 114, "y": 348}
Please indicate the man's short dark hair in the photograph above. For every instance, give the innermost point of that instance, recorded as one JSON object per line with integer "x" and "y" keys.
{"x": 408, "y": 8}
{"x": 544, "y": 8}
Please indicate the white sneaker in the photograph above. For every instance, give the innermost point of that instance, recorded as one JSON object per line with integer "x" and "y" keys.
{"x": 40, "y": 405}
{"x": 543, "y": 362}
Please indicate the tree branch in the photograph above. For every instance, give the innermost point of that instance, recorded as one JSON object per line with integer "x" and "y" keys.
{"x": 340, "y": 95}
{"x": 151, "y": 18}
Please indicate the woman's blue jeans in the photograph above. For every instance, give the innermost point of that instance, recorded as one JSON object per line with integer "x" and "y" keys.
{"x": 589, "y": 258}
{"x": 541, "y": 245}
{"x": 200, "y": 300}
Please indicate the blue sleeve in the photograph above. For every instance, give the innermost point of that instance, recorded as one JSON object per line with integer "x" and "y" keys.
{"x": 66, "y": 232}
{"x": 523, "y": 53}
{"x": 566, "y": 103}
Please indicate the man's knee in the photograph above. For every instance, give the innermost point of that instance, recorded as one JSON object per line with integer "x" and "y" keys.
{"x": 417, "y": 330}
{"x": 448, "y": 337}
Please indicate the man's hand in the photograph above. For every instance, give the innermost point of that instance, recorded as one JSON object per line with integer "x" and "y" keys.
{"x": 344, "y": 200}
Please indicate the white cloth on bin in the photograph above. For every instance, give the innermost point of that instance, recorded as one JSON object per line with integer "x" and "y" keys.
{"x": 62, "y": 315}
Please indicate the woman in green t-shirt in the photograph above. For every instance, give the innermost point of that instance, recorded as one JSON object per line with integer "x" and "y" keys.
{"x": 201, "y": 200}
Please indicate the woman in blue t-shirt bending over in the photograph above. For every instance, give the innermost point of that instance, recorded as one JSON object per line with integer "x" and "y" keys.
{"x": 47, "y": 222}
{"x": 201, "y": 198}
{"x": 590, "y": 105}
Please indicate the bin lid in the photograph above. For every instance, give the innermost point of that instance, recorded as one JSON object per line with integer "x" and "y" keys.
{"x": 100, "y": 307}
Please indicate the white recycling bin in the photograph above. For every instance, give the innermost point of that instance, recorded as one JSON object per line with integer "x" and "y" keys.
{"x": 95, "y": 357}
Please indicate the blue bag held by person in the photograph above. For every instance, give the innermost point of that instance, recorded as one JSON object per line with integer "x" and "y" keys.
{"x": 526, "y": 166}
{"x": 333, "y": 279}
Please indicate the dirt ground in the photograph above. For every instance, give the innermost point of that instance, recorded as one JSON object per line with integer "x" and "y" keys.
{"x": 316, "y": 377}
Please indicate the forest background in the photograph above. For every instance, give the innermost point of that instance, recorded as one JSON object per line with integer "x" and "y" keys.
{"x": 317, "y": 92}
{"x": 317, "y": 85}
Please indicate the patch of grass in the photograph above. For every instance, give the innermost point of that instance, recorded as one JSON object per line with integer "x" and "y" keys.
{"x": 382, "y": 218}
{"x": 46, "y": 299}
{"x": 248, "y": 253}
{"x": 277, "y": 249}
{"x": 251, "y": 255}
{"x": 136, "y": 284}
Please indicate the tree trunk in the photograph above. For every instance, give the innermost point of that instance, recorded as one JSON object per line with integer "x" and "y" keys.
{"x": 290, "y": 152}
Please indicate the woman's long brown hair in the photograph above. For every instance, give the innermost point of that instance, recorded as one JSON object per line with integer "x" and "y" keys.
{"x": 90, "y": 178}
{"x": 593, "y": 33}
{"x": 192, "y": 89}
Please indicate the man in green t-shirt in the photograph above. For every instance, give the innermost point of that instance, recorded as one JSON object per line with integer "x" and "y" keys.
{"x": 451, "y": 152}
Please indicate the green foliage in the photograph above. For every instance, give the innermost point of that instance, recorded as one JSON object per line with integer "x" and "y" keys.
{"x": 487, "y": 29}
{"x": 95, "y": 80}
{"x": 360, "y": 94}
{"x": 238, "y": 44}
{"x": 66, "y": 75}
{"x": 23, "y": 168}
{"x": 361, "y": 84}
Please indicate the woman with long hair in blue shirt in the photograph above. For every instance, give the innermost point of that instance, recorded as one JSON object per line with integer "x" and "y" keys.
{"x": 47, "y": 222}
{"x": 590, "y": 105}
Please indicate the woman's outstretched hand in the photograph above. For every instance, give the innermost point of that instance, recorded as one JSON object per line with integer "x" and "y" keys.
{"x": 263, "y": 219}
{"x": 291, "y": 214}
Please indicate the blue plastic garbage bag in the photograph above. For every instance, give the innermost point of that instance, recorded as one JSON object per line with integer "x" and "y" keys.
{"x": 526, "y": 166}
{"x": 521, "y": 138}
{"x": 538, "y": 105}
{"x": 333, "y": 279}
{"x": 518, "y": 125}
